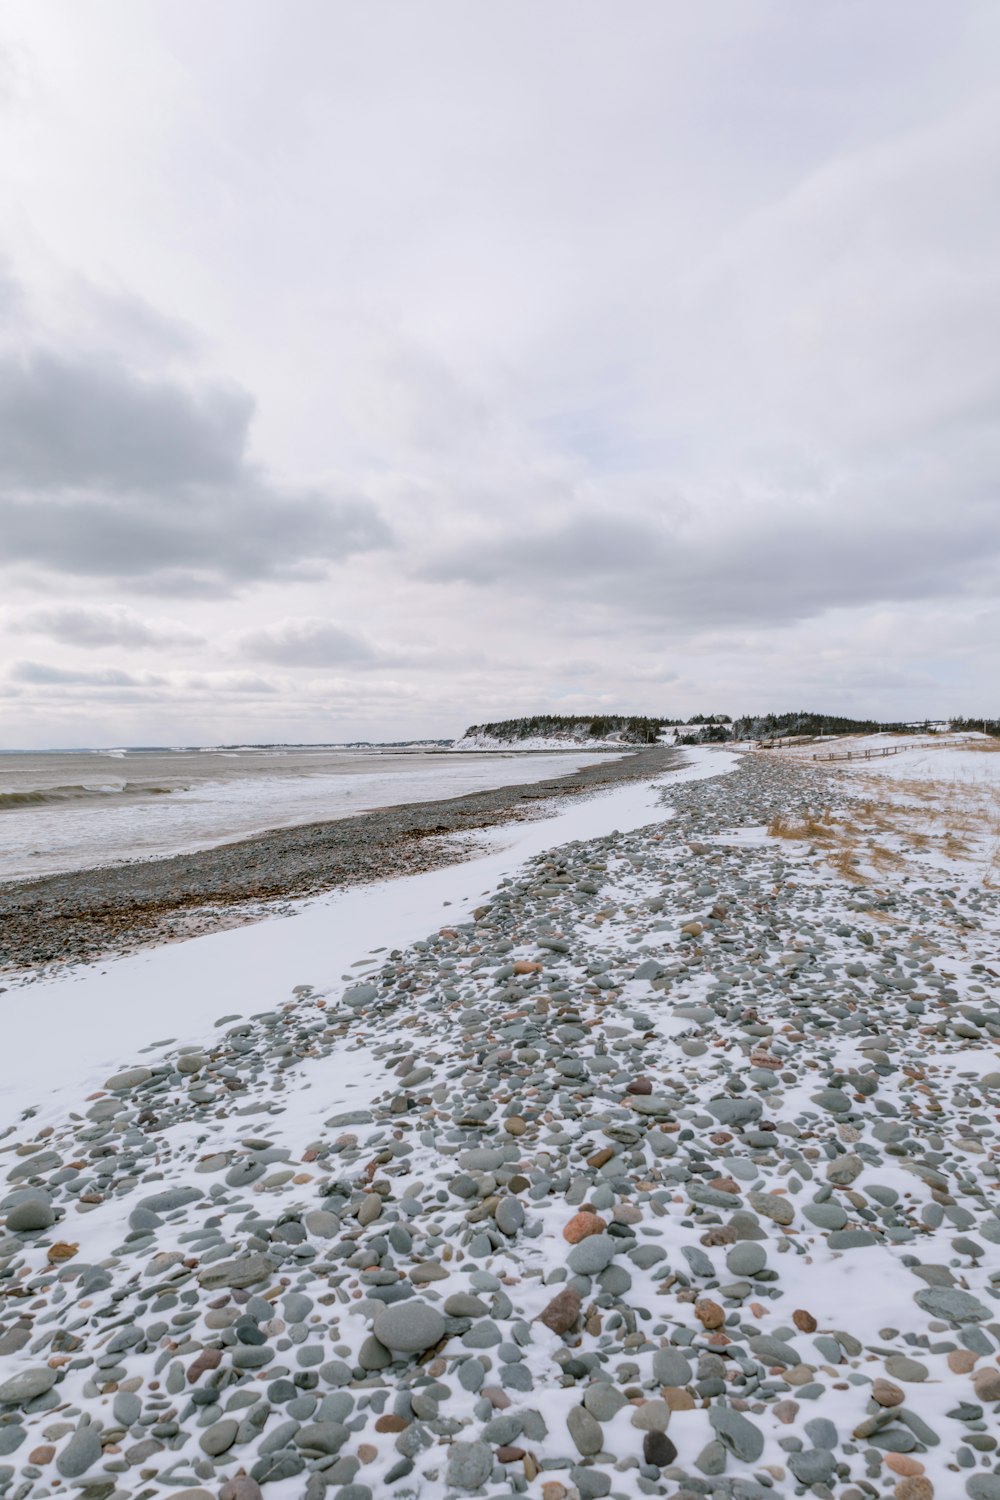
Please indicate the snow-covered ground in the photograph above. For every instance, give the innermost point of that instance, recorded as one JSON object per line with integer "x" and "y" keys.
{"x": 969, "y": 761}
{"x": 735, "y": 1108}
{"x": 63, "y": 1035}
{"x": 536, "y": 742}
{"x": 934, "y": 801}
{"x": 483, "y": 742}
{"x": 721, "y": 1116}
{"x": 965, "y": 756}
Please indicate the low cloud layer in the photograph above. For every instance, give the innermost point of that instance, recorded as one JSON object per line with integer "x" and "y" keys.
{"x": 42, "y": 674}
{"x": 76, "y": 423}
{"x": 90, "y": 626}
{"x": 147, "y": 482}
{"x": 203, "y": 539}
{"x": 779, "y": 569}
{"x": 308, "y": 643}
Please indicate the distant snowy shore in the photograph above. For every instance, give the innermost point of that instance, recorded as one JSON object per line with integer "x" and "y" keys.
{"x": 484, "y": 742}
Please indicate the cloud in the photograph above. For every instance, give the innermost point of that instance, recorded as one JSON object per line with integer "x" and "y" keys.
{"x": 76, "y": 423}
{"x": 42, "y": 674}
{"x": 108, "y": 473}
{"x": 124, "y": 323}
{"x": 11, "y": 298}
{"x": 239, "y": 683}
{"x": 307, "y": 642}
{"x": 171, "y": 685}
{"x": 198, "y": 539}
{"x": 85, "y": 625}
{"x": 671, "y": 346}
{"x": 779, "y": 565}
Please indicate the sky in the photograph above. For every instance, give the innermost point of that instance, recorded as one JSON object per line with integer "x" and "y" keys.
{"x": 367, "y": 371}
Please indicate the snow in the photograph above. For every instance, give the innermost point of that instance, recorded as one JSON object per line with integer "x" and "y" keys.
{"x": 614, "y": 741}
{"x": 69, "y": 1033}
{"x": 188, "y": 985}
{"x": 535, "y": 742}
{"x": 103, "y": 829}
{"x": 957, "y": 765}
{"x": 963, "y": 759}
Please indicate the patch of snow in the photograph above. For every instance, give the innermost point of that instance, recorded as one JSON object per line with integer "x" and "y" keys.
{"x": 72, "y": 1031}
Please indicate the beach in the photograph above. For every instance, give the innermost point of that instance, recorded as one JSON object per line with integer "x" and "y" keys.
{"x": 649, "y": 1151}
{"x": 83, "y": 914}
{"x": 73, "y": 810}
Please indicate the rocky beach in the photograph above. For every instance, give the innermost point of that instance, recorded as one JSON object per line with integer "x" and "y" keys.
{"x": 84, "y": 914}
{"x": 670, "y": 1168}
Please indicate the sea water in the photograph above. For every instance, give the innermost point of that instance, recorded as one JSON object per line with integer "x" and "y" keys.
{"x": 78, "y": 809}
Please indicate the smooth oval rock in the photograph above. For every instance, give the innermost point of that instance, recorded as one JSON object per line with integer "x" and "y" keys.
{"x": 24, "y": 1387}
{"x": 411, "y": 1326}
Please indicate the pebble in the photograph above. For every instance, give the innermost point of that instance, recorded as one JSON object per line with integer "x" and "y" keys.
{"x": 671, "y": 1367}
{"x": 30, "y": 1217}
{"x": 583, "y": 1224}
{"x": 469, "y": 1465}
{"x": 986, "y": 1383}
{"x": 585, "y": 1431}
{"x": 411, "y": 1327}
{"x": 590, "y": 1166}
{"x": 737, "y": 1433}
{"x": 592, "y": 1254}
{"x": 951, "y": 1302}
{"x": 80, "y": 1453}
{"x": 563, "y": 1312}
{"x": 746, "y": 1259}
{"x": 657, "y": 1449}
{"x": 23, "y": 1387}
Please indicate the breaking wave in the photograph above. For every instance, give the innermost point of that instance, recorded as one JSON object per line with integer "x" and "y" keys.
{"x": 53, "y": 795}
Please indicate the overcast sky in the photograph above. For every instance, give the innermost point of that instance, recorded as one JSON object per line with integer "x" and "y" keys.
{"x": 369, "y": 369}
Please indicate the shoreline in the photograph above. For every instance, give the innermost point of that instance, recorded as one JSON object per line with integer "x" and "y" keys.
{"x": 83, "y": 916}
{"x": 642, "y": 1115}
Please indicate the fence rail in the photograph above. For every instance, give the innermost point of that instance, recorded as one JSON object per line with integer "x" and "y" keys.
{"x": 785, "y": 739}
{"x": 861, "y": 754}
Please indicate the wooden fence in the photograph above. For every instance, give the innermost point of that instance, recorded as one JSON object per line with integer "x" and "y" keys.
{"x": 876, "y": 754}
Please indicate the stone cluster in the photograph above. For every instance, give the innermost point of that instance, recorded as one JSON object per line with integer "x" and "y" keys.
{"x": 672, "y": 1171}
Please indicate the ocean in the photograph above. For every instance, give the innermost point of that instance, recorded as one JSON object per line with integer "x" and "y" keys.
{"x": 78, "y": 809}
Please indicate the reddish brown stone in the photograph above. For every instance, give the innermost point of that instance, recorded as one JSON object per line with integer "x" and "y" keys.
{"x": 390, "y": 1423}
{"x": 987, "y": 1384}
{"x": 208, "y": 1359}
{"x": 914, "y": 1487}
{"x": 497, "y": 1397}
{"x": 724, "y": 1185}
{"x": 563, "y": 1312}
{"x": 582, "y": 1225}
{"x": 903, "y": 1465}
{"x": 708, "y": 1313}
